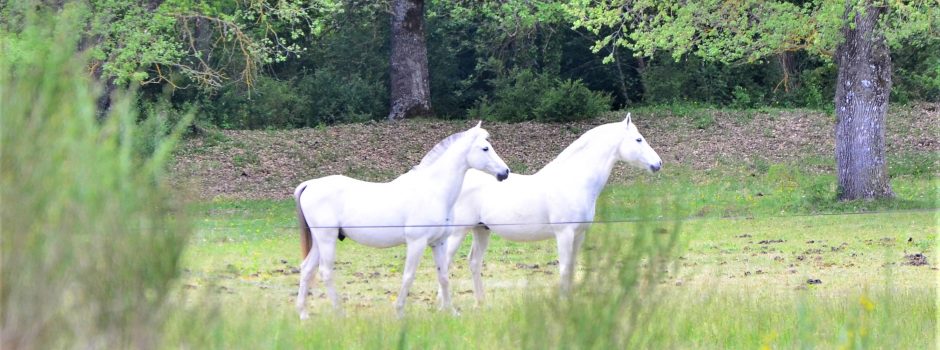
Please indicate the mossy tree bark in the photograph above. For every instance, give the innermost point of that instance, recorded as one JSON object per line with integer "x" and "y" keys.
{"x": 410, "y": 90}
{"x": 861, "y": 101}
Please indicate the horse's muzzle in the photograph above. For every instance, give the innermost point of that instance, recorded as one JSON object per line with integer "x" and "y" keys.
{"x": 655, "y": 167}
{"x": 502, "y": 176}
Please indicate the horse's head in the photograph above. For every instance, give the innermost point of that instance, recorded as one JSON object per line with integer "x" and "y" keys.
{"x": 635, "y": 150}
{"x": 482, "y": 156}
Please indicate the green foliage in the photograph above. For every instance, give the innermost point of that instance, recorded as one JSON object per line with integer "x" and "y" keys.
{"x": 341, "y": 61}
{"x": 324, "y": 97}
{"x": 326, "y": 61}
{"x": 92, "y": 231}
{"x": 526, "y": 95}
{"x": 517, "y": 96}
{"x": 692, "y": 79}
{"x": 340, "y": 98}
{"x": 741, "y": 98}
{"x": 746, "y": 30}
{"x": 817, "y": 87}
{"x": 340, "y": 77}
{"x": 917, "y": 71}
{"x": 182, "y": 42}
{"x": 271, "y": 104}
{"x": 569, "y": 101}
{"x": 752, "y": 31}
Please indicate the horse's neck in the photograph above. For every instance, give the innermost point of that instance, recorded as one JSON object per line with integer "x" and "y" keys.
{"x": 587, "y": 168}
{"x": 443, "y": 178}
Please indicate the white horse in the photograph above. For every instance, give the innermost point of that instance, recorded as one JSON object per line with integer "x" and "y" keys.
{"x": 556, "y": 202}
{"x": 414, "y": 209}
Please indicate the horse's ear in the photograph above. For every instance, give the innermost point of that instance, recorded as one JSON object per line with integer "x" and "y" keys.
{"x": 478, "y": 124}
{"x": 627, "y": 119}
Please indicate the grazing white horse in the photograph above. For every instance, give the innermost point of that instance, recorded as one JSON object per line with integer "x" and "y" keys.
{"x": 556, "y": 202}
{"x": 414, "y": 209}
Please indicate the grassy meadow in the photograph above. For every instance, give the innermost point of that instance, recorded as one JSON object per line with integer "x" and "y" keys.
{"x": 786, "y": 268}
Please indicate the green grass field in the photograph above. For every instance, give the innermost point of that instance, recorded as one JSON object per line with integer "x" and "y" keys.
{"x": 787, "y": 268}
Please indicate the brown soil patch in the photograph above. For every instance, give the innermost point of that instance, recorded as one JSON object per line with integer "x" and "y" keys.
{"x": 260, "y": 164}
{"x": 916, "y": 259}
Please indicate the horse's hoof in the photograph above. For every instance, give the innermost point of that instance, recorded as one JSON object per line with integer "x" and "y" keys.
{"x": 304, "y": 316}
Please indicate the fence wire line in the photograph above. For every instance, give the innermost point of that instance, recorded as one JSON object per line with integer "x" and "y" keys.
{"x": 602, "y": 222}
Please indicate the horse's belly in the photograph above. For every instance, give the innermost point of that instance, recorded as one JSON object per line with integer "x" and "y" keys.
{"x": 523, "y": 233}
{"x": 378, "y": 237}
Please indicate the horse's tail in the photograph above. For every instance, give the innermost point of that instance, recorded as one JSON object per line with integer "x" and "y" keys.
{"x": 306, "y": 240}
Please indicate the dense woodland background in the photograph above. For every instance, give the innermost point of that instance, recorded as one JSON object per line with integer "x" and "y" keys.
{"x": 250, "y": 64}
{"x": 105, "y": 105}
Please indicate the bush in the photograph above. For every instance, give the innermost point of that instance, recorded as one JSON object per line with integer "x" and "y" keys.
{"x": 270, "y": 103}
{"x": 338, "y": 98}
{"x": 524, "y": 95}
{"x": 324, "y": 97}
{"x": 569, "y": 101}
{"x": 817, "y": 88}
{"x": 916, "y": 72}
{"x": 92, "y": 234}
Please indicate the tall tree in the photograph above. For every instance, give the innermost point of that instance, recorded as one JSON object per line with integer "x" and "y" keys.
{"x": 857, "y": 34}
{"x": 185, "y": 42}
{"x": 410, "y": 90}
{"x": 862, "y": 89}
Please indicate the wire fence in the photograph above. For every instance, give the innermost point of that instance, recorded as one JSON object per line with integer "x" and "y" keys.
{"x": 606, "y": 221}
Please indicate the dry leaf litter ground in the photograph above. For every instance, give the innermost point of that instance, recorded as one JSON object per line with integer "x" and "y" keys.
{"x": 255, "y": 164}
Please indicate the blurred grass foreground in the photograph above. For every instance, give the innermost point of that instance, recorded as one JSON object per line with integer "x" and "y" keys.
{"x": 91, "y": 233}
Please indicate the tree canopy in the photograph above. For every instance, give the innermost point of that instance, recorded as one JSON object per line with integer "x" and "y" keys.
{"x": 294, "y": 63}
{"x": 750, "y": 30}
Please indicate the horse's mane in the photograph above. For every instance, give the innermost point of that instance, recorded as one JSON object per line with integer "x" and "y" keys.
{"x": 439, "y": 149}
{"x": 575, "y": 147}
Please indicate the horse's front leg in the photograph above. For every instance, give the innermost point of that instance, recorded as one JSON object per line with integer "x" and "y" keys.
{"x": 481, "y": 239}
{"x": 443, "y": 278}
{"x": 415, "y": 250}
{"x": 454, "y": 239}
{"x": 566, "y": 255}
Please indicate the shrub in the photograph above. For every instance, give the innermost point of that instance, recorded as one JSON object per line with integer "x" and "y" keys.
{"x": 525, "y": 95}
{"x": 741, "y": 98}
{"x": 324, "y": 97}
{"x": 335, "y": 97}
{"x": 569, "y": 101}
{"x": 269, "y": 103}
{"x": 92, "y": 234}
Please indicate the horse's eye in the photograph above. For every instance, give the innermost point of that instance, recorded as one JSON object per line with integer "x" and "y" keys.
{"x": 486, "y": 149}
{"x": 639, "y": 140}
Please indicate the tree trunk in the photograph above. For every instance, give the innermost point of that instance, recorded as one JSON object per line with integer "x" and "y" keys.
{"x": 862, "y": 89}
{"x": 410, "y": 91}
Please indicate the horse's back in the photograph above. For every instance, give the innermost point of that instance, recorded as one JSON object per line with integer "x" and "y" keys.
{"x": 373, "y": 214}
{"x": 523, "y": 207}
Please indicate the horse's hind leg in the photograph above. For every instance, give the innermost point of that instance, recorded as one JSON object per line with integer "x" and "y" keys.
{"x": 481, "y": 238}
{"x": 566, "y": 256}
{"x": 415, "y": 250}
{"x": 327, "y": 244}
{"x": 443, "y": 278}
{"x": 308, "y": 271}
